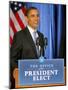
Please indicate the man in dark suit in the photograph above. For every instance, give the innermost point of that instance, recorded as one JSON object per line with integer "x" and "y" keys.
{"x": 25, "y": 44}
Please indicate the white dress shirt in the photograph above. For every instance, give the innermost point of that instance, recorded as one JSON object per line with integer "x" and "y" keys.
{"x": 31, "y": 30}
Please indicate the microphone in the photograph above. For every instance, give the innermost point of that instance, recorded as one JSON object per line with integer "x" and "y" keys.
{"x": 37, "y": 41}
{"x": 41, "y": 44}
{"x": 45, "y": 42}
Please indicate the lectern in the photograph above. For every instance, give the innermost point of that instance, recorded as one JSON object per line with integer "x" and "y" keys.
{"x": 39, "y": 73}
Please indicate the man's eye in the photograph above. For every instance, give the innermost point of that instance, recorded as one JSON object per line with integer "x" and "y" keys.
{"x": 35, "y": 15}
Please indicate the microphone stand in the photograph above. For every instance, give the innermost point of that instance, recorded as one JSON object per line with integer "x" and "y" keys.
{"x": 41, "y": 50}
{"x": 40, "y": 56}
{"x": 45, "y": 44}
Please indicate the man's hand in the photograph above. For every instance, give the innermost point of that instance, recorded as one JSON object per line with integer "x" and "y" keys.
{"x": 15, "y": 73}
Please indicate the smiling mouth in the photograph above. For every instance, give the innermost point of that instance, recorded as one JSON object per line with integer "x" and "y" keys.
{"x": 36, "y": 23}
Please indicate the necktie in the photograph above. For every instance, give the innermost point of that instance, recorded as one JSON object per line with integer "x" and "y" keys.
{"x": 35, "y": 37}
{"x": 37, "y": 45}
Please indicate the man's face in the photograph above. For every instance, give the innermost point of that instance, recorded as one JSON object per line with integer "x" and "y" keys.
{"x": 33, "y": 18}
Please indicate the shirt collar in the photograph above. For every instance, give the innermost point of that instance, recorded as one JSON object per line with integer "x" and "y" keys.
{"x": 31, "y": 30}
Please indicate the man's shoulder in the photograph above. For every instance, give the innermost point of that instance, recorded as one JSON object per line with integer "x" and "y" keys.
{"x": 20, "y": 32}
{"x": 41, "y": 34}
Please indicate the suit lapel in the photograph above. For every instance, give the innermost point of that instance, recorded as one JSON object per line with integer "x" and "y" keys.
{"x": 29, "y": 38}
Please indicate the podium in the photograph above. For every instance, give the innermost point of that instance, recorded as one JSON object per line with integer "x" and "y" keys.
{"x": 17, "y": 85}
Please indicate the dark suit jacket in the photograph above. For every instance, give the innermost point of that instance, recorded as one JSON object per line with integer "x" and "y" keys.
{"x": 23, "y": 47}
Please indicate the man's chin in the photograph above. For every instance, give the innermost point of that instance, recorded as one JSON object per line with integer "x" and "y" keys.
{"x": 36, "y": 26}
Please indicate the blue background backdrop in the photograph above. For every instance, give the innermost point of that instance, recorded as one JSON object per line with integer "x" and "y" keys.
{"x": 53, "y": 26}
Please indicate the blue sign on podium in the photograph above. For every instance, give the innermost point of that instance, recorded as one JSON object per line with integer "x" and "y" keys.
{"x": 41, "y": 71}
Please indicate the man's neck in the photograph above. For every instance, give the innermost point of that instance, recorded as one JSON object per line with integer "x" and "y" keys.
{"x": 32, "y": 29}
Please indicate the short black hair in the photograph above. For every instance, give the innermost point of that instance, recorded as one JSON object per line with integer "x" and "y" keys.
{"x": 28, "y": 10}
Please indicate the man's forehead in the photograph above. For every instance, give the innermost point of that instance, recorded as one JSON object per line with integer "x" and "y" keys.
{"x": 33, "y": 11}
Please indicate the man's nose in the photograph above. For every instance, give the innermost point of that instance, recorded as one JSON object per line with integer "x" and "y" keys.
{"x": 36, "y": 18}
